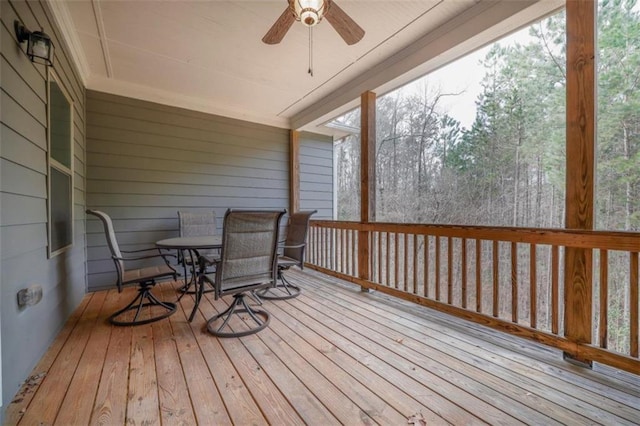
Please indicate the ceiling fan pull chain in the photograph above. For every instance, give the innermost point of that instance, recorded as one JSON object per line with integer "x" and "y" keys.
{"x": 310, "y": 51}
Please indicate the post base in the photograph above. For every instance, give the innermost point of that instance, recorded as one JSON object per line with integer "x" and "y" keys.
{"x": 585, "y": 363}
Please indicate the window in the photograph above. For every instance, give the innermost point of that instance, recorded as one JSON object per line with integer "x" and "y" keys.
{"x": 60, "y": 182}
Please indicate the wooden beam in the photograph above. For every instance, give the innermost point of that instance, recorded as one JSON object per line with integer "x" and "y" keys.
{"x": 368, "y": 157}
{"x": 580, "y": 162}
{"x": 367, "y": 178}
{"x": 294, "y": 171}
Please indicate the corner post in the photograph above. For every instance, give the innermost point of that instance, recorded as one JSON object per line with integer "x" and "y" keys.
{"x": 294, "y": 171}
{"x": 580, "y": 161}
{"x": 367, "y": 179}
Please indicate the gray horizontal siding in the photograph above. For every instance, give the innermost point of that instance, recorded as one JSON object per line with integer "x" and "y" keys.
{"x": 316, "y": 174}
{"x": 147, "y": 161}
{"x": 26, "y": 333}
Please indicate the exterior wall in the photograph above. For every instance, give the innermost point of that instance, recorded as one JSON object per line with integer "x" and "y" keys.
{"x": 147, "y": 161}
{"x": 316, "y": 174}
{"x": 27, "y": 333}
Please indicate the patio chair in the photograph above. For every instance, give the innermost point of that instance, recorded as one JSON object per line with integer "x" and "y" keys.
{"x": 293, "y": 252}
{"x": 247, "y": 262}
{"x": 195, "y": 225}
{"x": 144, "y": 277}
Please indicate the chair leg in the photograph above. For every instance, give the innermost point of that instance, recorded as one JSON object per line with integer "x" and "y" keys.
{"x": 143, "y": 299}
{"x": 283, "y": 289}
{"x": 238, "y": 306}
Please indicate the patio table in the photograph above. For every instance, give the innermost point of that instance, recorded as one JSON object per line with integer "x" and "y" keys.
{"x": 192, "y": 245}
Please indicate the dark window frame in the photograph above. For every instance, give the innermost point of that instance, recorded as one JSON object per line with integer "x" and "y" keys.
{"x": 60, "y": 232}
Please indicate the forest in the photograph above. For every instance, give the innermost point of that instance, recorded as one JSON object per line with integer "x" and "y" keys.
{"x": 508, "y": 167}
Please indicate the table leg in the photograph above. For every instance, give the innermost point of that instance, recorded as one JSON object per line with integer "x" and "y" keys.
{"x": 199, "y": 290}
{"x": 193, "y": 256}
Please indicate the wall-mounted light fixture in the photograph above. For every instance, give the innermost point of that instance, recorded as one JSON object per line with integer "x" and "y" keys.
{"x": 39, "y": 44}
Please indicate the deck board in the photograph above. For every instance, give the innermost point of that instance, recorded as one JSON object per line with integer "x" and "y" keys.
{"x": 175, "y": 404}
{"x": 111, "y": 398}
{"x": 332, "y": 355}
{"x": 205, "y": 398}
{"x": 46, "y": 403}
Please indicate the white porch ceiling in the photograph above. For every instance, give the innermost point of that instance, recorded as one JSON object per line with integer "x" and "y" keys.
{"x": 208, "y": 55}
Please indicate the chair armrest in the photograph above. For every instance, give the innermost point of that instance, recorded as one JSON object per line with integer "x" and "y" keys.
{"x": 163, "y": 256}
{"x": 141, "y": 250}
{"x": 295, "y": 246}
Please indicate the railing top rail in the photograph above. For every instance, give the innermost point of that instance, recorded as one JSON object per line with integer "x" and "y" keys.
{"x": 607, "y": 240}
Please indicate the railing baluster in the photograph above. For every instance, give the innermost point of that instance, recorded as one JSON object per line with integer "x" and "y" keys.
{"x": 322, "y": 246}
{"x": 317, "y": 248}
{"x": 478, "y": 275}
{"x": 437, "y": 271}
{"x": 450, "y": 270}
{"x": 334, "y": 252}
{"x": 327, "y": 254}
{"x": 388, "y": 257}
{"x": 514, "y": 282}
{"x": 496, "y": 281}
{"x": 463, "y": 265}
{"x": 633, "y": 303}
{"x": 356, "y": 236}
{"x": 349, "y": 237}
{"x": 554, "y": 288}
{"x": 353, "y": 252}
{"x": 396, "y": 246}
{"x": 380, "y": 257}
{"x": 533, "y": 286}
{"x": 343, "y": 260}
{"x": 415, "y": 263}
{"x": 345, "y": 255}
{"x": 603, "y": 327}
{"x": 425, "y": 240}
{"x": 405, "y": 285}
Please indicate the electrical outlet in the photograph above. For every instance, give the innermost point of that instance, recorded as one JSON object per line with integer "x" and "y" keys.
{"x": 29, "y": 296}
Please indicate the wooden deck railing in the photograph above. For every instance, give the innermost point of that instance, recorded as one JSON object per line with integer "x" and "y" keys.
{"x": 507, "y": 278}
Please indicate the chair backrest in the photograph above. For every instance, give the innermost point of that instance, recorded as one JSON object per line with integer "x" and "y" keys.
{"x": 249, "y": 251}
{"x": 111, "y": 241}
{"x": 197, "y": 224}
{"x": 295, "y": 243}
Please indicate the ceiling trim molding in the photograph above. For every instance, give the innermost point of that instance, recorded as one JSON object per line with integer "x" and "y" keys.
{"x": 446, "y": 43}
{"x": 64, "y": 21}
{"x": 97, "y": 12}
{"x": 145, "y": 93}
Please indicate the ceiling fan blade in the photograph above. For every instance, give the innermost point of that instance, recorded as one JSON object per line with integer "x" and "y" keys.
{"x": 350, "y": 32}
{"x": 280, "y": 27}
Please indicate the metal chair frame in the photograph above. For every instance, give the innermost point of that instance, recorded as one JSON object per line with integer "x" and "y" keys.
{"x": 144, "y": 277}
{"x": 293, "y": 253}
{"x": 245, "y": 265}
{"x": 205, "y": 224}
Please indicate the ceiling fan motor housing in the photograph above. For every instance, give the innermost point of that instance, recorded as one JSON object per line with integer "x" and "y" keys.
{"x": 309, "y": 17}
{"x": 309, "y": 12}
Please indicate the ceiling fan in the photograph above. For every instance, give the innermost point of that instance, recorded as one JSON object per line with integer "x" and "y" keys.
{"x": 310, "y": 13}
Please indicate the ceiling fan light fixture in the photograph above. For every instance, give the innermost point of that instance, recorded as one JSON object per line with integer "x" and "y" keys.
{"x": 309, "y": 12}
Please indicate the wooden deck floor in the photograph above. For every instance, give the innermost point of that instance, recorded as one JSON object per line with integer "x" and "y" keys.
{"x": 333, "y": 355}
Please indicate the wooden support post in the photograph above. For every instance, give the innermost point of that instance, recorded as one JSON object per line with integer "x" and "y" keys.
{"x": 367, "y": 179}
{"x": 580, "y": 162}
{"x": 294, "y": 171}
